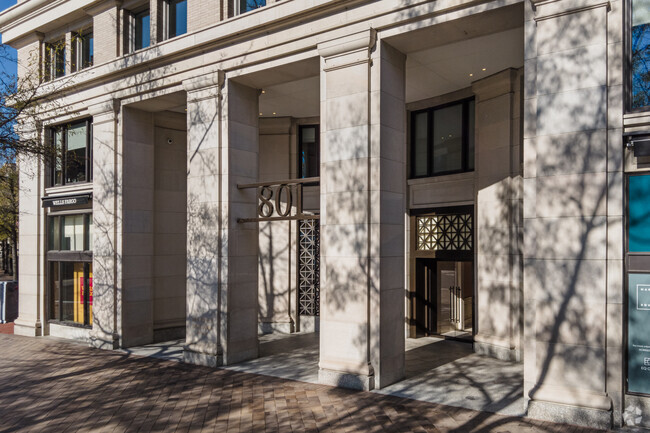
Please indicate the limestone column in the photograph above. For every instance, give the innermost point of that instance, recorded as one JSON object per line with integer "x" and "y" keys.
{"x": 362, "y": 212}
{"x": 107, "y": 244}
{"x": 31, "y": 240}
{"x": 566, "y": 224}
{"x": 499, "y": 216}
{"x": 222, "y": 254}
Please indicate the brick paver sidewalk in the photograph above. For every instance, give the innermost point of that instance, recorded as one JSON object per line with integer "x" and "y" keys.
{"x": 49, "y": 385}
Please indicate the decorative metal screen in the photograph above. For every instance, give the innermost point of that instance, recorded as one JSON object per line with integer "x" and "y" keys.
{"x": 309, "y": 268}
{"x": 445, "y": 233}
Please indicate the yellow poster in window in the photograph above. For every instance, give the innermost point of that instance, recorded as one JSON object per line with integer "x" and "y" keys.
{"x": 78, "y": 293}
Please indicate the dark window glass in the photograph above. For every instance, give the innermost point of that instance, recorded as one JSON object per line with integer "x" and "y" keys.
{"x": 442, "y": 140}
{"x": 177, "y": 21}
{"x": 249, "y": 5}
{"x": 54, "y": 234}
{"x": 55, "y": 291}
{"x": 448, "y": 139}
{"x": 420, "y": 144}
{"x": 640, "y": 51}
{"x": 60, "y": 63}
{"x": 471, "y": 146}
{"x": 71, "y": 163}
{"x": 309, "y": 152}
{"x": 142, "y": 30}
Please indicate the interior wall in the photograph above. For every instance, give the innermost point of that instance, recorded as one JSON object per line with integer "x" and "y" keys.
{"x": 170, "y": 225}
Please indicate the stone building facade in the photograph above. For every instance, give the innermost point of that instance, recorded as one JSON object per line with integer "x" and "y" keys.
{"x": 370, "y": 170}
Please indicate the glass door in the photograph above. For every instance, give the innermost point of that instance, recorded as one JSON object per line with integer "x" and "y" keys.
{"x": 455, "y": 299}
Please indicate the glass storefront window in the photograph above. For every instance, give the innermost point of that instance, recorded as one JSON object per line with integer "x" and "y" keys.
{"x": 70, "y": 268}
{"x": 71, "y": 291}
{"x": 73, "y": 233}
{"x": 70, "y": 233}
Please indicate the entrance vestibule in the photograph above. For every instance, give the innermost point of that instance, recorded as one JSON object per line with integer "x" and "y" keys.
{"x": 444, "y": 298}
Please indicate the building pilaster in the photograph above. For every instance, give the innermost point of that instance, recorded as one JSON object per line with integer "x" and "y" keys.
{"x": 107, "y": 226}
{"x": 222, "y": 254}
{"x": 362, "y": 212}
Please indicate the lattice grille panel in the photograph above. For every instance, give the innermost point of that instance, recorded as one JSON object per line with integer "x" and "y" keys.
{"x": 445, "y": 233}
{"x": 309, "y": 268}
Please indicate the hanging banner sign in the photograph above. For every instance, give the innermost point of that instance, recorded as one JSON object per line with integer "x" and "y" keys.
{"x": 638, "y": 339}
{"x": 71, "y": 200}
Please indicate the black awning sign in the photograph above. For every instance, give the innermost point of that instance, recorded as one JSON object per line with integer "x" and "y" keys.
{"x": 66, "y": 201}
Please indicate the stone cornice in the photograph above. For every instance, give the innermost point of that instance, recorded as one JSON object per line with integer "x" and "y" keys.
{"x": 100, "y": 7}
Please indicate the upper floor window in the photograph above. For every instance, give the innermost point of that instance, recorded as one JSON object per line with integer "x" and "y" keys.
{"x": 308, "y": 151}
{"x": 140, "y": 29}
{"x": 82, "y": 50}
{"x": 249, "y": 5}
{"x": 54, "y": 65}
{"x": 639, "y": 55}
{"x": 72, "y": 162}
{"x": 442, "y": 139}
{"x": 176, "y": 13}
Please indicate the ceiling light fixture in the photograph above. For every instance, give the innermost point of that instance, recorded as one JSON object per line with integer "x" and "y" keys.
{"x": 484, "y": 69}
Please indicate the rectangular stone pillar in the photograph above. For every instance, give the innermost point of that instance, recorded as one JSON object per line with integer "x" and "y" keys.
{"x": 362, "y": 212}
{"x": 499, "y": 225}
{"x": 107, "y": 226}
{"x": 137, "y": 220}
{"x": 566, "y": 224}
{"x": 31, "y": 241}
{"x": 222, "y": 253}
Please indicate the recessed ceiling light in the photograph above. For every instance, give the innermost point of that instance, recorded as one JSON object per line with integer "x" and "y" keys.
{"x": 260, "y": 114}
{"x": 484, "y": 69}
{"x": 471, "y": 75}
{"x": 263, "y": 91}
{"x": 274, "y": 113}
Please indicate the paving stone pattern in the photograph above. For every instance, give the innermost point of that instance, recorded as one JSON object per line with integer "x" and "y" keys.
{"x": 58, "y": 386}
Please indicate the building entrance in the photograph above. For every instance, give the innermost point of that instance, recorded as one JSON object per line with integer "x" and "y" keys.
{"x": 442, "y": 273}
{"x": 444, "y": 301}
